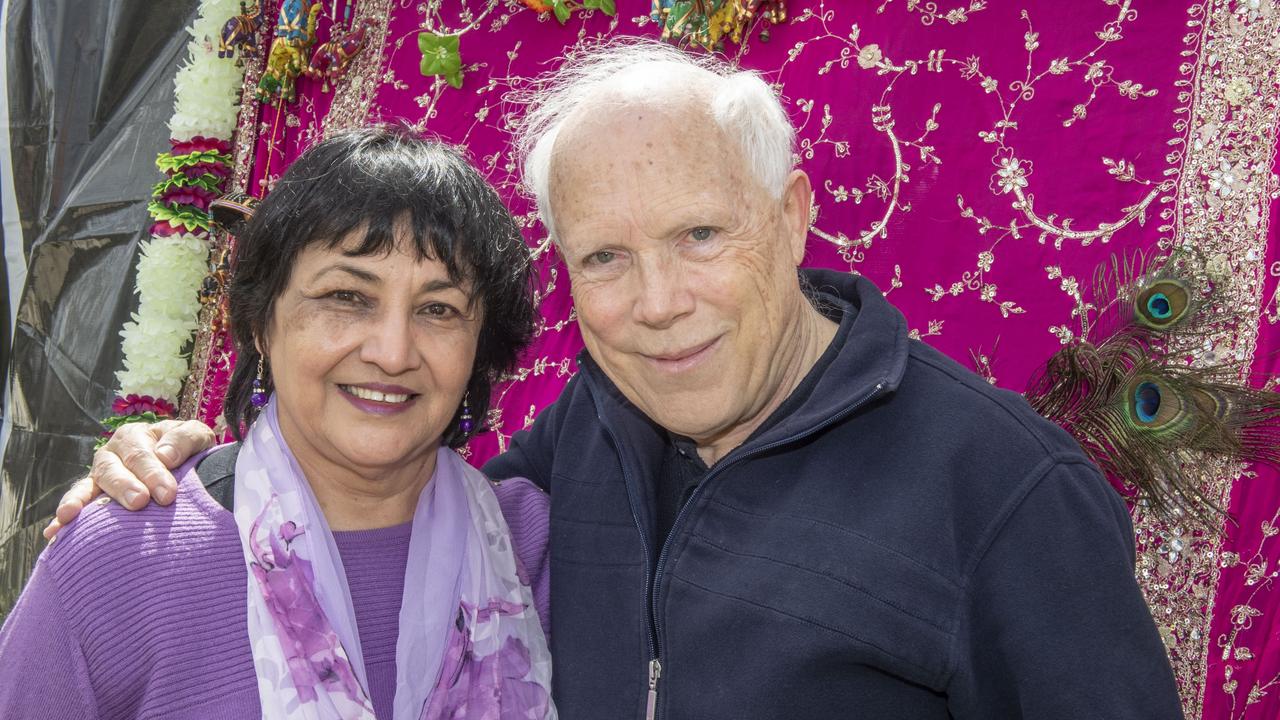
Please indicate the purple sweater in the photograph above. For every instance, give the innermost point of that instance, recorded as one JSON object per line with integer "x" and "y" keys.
{"x": 143, "y": 614}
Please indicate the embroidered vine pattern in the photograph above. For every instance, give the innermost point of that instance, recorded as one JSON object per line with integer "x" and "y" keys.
{"x": 1011, "y": 176}
{"x": 930, "y": 13}
{"x": 1259, "y": 575}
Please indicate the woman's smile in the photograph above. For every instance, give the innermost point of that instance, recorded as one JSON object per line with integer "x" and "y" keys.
{"x": 379, "y": 398}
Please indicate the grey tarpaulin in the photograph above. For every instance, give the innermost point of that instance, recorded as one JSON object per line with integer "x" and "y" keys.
{"x": 89, "y": 89}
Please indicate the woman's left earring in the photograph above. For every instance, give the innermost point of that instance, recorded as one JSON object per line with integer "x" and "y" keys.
{"x": 259, "y": 395}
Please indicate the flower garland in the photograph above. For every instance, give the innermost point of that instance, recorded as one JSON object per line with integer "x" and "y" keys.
{"x": 173, "y": 262}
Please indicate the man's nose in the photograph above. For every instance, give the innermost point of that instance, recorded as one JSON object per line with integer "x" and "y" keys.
{"x": 389, "y": 343}
{"x": 663, "y": 295}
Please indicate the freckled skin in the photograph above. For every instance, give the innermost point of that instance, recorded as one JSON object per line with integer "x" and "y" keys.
{"x": 331, "y": 327}
{"x": 670, "y": 244}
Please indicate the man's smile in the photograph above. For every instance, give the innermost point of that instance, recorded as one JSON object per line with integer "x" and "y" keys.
{"x": 674, "y": 361}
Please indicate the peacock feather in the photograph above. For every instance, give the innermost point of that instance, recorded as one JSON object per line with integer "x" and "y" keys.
{"x": 1139, "y": 408}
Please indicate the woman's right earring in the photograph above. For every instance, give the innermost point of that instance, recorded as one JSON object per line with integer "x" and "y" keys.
{"x": 465, "y": 423}
{"x": 259, "y": 396}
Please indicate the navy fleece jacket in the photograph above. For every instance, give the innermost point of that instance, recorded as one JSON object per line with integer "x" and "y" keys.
{"x": 906, "y": 542}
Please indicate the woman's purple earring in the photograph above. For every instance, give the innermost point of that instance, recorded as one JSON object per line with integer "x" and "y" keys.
{"x": 465, "y": 423}
{"x": 259, "y": 396}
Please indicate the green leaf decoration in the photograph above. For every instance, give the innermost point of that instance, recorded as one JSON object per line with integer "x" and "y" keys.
{"x": 186, "y": 216}
{"x": 207, "y": 182}
{"x": 168, "y": 162}
{"x": 440, "y": 57}
{"x": 561, "y": 9}
{"x": 113, "y": 423}
{"x": 608, "y": 8}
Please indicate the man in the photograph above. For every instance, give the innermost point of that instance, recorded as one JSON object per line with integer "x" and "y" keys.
{"x": 768, "y": 502}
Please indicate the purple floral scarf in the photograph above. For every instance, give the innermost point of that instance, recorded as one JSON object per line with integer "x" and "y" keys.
{"x": 470, "y": 643}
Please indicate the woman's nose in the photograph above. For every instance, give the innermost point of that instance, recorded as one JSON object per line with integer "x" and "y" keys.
{"x": 389, "y": 344}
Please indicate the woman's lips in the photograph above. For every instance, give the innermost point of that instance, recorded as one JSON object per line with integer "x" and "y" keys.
{"x": 682, "y": 360}
{"x": 378, "y": 398}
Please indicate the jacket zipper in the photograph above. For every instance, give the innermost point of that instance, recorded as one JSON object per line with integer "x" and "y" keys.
{"x": 651, "y": 587}
{"x": 655, "y": 672}
{"x": 654, "y": 667}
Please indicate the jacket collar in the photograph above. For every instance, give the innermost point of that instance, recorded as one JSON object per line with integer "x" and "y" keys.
{"x": 869, "y": 357}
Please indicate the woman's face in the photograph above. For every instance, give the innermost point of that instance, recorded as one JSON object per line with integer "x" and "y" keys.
{"x": 370, "y": 356}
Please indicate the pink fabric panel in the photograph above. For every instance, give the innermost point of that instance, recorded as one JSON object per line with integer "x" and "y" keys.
{"x": 981, "y": 160}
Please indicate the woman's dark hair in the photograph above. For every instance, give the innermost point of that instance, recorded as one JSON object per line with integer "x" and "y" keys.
{"x": 380, "y": 180}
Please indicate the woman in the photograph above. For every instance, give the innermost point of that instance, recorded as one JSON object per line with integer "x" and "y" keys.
{"x": 346, "y": 562}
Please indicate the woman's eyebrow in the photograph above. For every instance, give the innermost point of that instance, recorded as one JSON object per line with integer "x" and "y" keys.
{"x": 372, "y": 278}
{"x": 440, "y": 284}
{"x": 352, "y": 270}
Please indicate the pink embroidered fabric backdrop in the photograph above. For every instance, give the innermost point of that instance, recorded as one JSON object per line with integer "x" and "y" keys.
{"x": 977, "y": 160}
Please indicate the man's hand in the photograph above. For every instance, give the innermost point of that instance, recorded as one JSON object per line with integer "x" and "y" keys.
{"x": 134, "y": 466}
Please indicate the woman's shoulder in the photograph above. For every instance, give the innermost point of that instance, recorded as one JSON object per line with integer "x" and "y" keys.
{"x": 110, "y": 541}
{"x": 527, "y": 510}
{"x": 522, "y": 501}
{"x": 142, "y": 592}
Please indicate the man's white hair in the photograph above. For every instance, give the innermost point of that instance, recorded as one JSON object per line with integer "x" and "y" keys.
{"x": 636, "y": 70}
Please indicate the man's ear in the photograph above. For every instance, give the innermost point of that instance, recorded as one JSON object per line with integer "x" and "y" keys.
{"x": 797, "y": 204}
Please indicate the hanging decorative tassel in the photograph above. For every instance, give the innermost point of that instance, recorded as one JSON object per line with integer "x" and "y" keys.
{"x": 295, "y": 33}
{"x": 240, "y": 32}
{"x": 330, "y": 61}
{"x": 708, "y": 23}
{"x": 1140, "y": 410}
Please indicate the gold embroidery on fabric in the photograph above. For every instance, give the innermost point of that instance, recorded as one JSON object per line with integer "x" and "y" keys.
{"x": 929, "y": 12}
{"x": 1222, "y": 155}
{"x": 353, "y": 97}
{"x": 1011, "y": 172}
{"x": 1273, "y": 307}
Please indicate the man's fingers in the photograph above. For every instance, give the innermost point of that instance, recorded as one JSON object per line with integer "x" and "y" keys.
{"x": 72, "y": 502}
{"x": 135, "y": 473}
{"x": 133, "y": 467}
{"x": 176, "y": 441}
{"x": 116, "y": 479}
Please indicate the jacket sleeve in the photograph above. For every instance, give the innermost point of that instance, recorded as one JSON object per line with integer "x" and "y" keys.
{"x": 530, "y": 452}
{"x": 44, "y": 668}
{"x": 1055, "y": 626}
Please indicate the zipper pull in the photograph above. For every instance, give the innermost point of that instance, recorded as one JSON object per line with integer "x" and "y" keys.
{"x": 655, "y": 672}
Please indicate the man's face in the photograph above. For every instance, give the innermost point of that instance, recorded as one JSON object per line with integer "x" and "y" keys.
{"x": 682, "y": 266}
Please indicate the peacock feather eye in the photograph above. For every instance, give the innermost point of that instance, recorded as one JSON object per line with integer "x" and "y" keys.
{"x": 1146, "y": 402}
{"x": 1163, "y": 303}
{"x": 1158, "y": 306}
{"x": 1157, "y": 406}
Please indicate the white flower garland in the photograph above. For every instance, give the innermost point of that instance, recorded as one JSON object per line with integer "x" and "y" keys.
{"x": 207, "y": 85}
{"x": 169, "y": 273}
{"x": 171, "y": 268}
